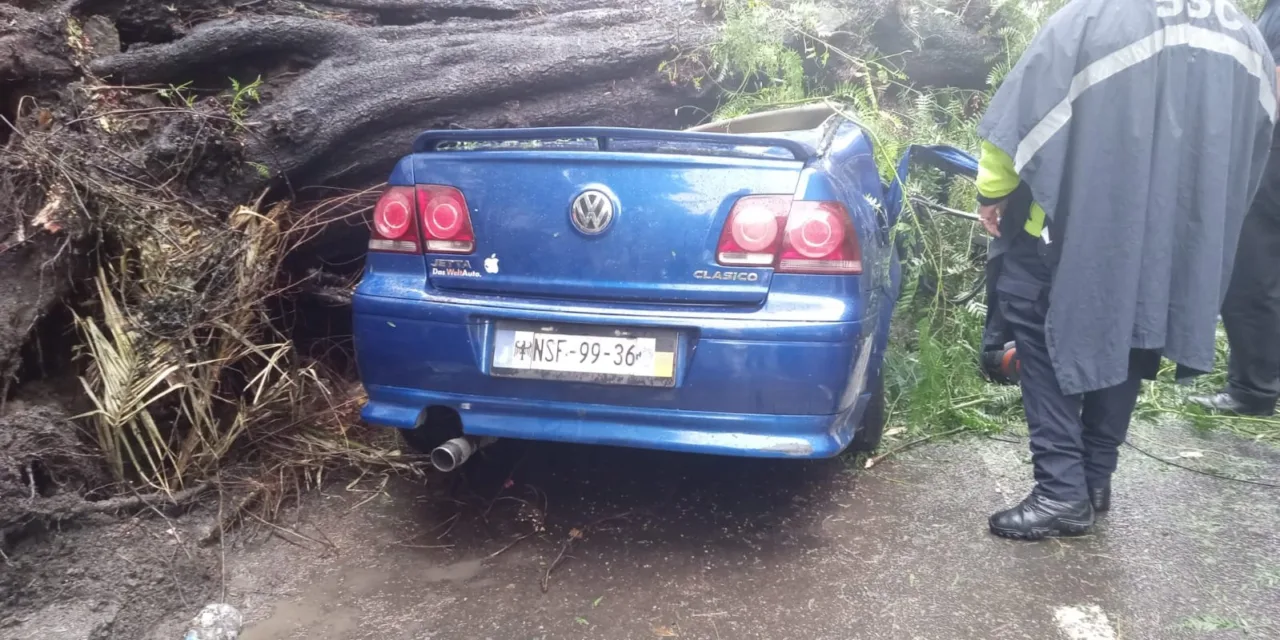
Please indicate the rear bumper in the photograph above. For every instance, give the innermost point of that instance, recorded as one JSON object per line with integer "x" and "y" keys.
{"x": 747, "y": 435}
{"x": 743, "y": 387}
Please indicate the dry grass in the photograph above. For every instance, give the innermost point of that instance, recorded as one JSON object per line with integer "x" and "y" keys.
{"x": 225, "y": 370}
{"x": 182, "y": 351}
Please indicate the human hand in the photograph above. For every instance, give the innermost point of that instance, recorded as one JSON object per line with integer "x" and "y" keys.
{"x": 990, "y": 215}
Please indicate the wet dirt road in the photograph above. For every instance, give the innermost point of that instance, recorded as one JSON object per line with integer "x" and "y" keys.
{"x": 698, "y": 547}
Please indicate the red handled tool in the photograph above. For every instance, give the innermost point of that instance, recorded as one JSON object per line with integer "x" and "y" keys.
{"x": 1001, "y": 365}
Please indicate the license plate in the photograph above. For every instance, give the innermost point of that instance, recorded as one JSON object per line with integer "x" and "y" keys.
{"x": 606, "y": 355}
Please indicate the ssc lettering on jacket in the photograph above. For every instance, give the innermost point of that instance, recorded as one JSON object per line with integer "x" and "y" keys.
{"x": 1228, "y": 15}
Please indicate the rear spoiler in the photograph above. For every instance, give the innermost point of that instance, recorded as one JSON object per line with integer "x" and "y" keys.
{"x": 603, "y": 136}
{"x": 949, "y": 159}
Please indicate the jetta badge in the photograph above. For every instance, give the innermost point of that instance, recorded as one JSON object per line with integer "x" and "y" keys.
{"x": 592, "y": 212}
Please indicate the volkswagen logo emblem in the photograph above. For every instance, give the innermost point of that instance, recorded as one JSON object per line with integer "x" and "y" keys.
{"x": 592, "y": 212}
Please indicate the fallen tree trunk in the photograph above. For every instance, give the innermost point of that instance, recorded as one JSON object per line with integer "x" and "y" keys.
{"x": 347, "y": 98}
{"x": 345, "y": 87}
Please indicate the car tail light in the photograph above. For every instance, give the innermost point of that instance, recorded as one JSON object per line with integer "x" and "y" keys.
{"x": 794, "y": 236}
{"x": 819, "y": 238}
{"x": 752, "y": 234}
{"x": 394, "y": 229}
{"x": 446, "y": 221}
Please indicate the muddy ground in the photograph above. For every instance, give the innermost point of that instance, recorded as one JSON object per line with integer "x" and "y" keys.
{"x": 697, "y": 547}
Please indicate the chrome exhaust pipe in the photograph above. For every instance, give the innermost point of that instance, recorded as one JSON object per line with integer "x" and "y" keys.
{"x": 456, "y": 452}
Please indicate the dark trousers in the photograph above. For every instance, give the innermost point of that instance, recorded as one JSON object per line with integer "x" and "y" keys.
{"x": 1075, "y": 439}
{"x": 1251, "y": 311}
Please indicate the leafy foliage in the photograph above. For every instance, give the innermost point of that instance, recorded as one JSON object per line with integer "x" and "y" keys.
{"x": 241, "y": 96}
{"x": 1020, "y": 21}
{"x": 753, "y": 47}
{"x": 1251, "y": 8}
{"x": 179, "y": 95}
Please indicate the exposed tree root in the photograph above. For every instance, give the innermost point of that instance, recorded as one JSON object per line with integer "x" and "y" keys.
{"x": 132, "y": 503}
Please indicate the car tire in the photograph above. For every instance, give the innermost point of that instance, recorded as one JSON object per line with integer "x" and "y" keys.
{"x": 871, "y": 428}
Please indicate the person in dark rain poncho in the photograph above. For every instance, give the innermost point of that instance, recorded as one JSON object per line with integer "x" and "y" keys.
{"x": 1251, "y": 312}
{"x": 1119, "y": 158}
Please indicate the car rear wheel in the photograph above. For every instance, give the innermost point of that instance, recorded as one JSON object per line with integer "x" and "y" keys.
{"x": 872, "y": 426}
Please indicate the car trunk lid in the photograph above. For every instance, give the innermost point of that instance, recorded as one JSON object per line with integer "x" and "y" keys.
{"x": 622, "y": 215}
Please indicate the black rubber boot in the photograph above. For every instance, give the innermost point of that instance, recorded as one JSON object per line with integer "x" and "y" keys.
{"x": 1224, "y": 402}
{"x": 1039, "y": 517}
{"x": 1100, "y": 498}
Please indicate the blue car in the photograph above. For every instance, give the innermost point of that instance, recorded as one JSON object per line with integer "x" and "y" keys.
{"x": 723, "y": 290}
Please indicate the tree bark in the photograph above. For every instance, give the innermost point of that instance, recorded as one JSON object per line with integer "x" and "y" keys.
{"x": 365, "y": 91}
{"x": 948, "y": 43}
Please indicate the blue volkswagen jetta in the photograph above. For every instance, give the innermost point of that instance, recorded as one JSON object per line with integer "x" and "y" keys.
{"x": 722, "y": 290}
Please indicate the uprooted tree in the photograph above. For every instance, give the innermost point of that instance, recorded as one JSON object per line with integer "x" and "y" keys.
{"x": 178, "y": 176}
